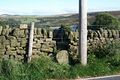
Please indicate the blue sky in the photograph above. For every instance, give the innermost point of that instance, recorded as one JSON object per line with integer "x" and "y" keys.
{"x": 53, "y": 7}
{"x": 103, "y": 5}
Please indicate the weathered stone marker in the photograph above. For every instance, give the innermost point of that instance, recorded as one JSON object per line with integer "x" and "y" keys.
{"x": 30, "y": 41}
{"x": 62, "y": 57}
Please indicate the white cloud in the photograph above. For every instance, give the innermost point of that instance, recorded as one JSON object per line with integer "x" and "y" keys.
{"x": 42, "y": 11}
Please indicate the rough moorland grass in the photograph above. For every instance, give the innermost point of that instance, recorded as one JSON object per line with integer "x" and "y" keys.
{"x": 44, "y": 68}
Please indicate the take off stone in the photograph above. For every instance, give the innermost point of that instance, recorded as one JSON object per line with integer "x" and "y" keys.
{"x": 62, "y": 57}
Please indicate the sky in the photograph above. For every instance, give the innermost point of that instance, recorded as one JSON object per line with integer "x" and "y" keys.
{"x": 54, "y": 7}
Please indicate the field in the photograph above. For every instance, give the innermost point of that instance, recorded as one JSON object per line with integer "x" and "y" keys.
{"x": 57, "y": 57}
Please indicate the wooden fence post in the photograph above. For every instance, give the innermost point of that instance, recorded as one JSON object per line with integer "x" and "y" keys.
{"x": 30, "y": 41}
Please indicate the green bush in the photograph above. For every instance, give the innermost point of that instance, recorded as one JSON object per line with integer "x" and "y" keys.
{"x": 9, "y": 69}
{"x": 95, "y": 67}
{"x": 66, "y": 28}
{"x": 38, "y": 69}
{"x": 105, "y": 20}
{"x": 11, "y": 22}
{"x": 44, "y": 68}
{"x": 109, "y": 52}
{"x": 114, "y": 53}
{"x": 3, "y": 23}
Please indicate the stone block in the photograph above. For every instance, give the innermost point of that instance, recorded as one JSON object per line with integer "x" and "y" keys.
{"x": 117, "y": 34}
{"x": 4, "y": 32}
{"x": 5, "y": 57}
{"x": 47, "y": 50}
{"x": 19, "y": 48}
{"x": 40, "y": 41}
{"x": 36, "y": 46}
{"x": 19, "y": 57}
{"x": 39, "y": 53}
{"x": 2, "y": 46}
{"x": 44, "y": 33}
{"x": 50, "y": 34}
{"x": 10, "y": 37}
{"x": 45, "y": 45}
{"x": 74, "y": 43}
{"x": 109, "y": 33}
{"x": 114, "y": 33}
{"x": 37, "y": 36}
{"x": 35, "y": 31}
{"x": 95, "y": 34}
{"x": 99, "y": 34}
{"x": 71, "y": 36}
{"x": 35, "y": 51}
{"x": 26, "y": 32}
{"x": 7, "y": 42}
{"x": 19, "y": 33}
{"x": 52, "y": 44}
{"x": 21, "y": 52}
{"x": 39, "y": 32}
{"x": 16, "y": 32}
{"x": 9, "y": 52}
{"x": 101, "y": 31}
{"x": 62, "y": 57}
{"x": 13, "y": 41}
{"x": 102, "y": 40}
{"x": 42, "y": 53}
{"x": 22, "y": 33}
{"x": 90, "y": 34}
{"x": 75, "y": 36}
{"x": 23, "y": 26}
{"x": 2, "y": 39}
{"x": 48, "y": 39}
{"x": 105, "y": 34}
{"x": 10, "y": 48}
{"x": 23, "y": 42}
{"x": 74, "y": 49}
{"x": 12, "y": 56}
{"x": 35, "y": 40}
{"x": 1, "y": 29}
{"x": 7, "y": 47}
{"x": 10, "y": 30}
{"x": 2, "y": 52}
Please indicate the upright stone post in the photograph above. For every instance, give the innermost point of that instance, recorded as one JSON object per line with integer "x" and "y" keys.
{"x": 83, "y": 32}
{"x": 30, "y": 42}
{"x": 51, "y": 34}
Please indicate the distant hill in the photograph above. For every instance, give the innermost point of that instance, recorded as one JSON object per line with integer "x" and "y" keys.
{"x": 55, "y": 20}
{"x": 115, "y": 13}
{"x": 91, "y": 14}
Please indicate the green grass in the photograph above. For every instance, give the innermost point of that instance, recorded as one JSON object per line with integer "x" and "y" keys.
{"x": 44, "y": 68}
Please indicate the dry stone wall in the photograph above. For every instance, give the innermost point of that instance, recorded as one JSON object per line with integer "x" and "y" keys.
{"x": 99, "y": 37}
{"x": 95, "y": 39}
{"x": 13, "y": 42}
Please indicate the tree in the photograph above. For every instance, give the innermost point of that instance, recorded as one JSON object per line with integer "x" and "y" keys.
{"x": 105, "y": 20}
{"x": 66, "y": 28}
{"x": 11, "y": 22}
{"x": 3, "y": 23}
